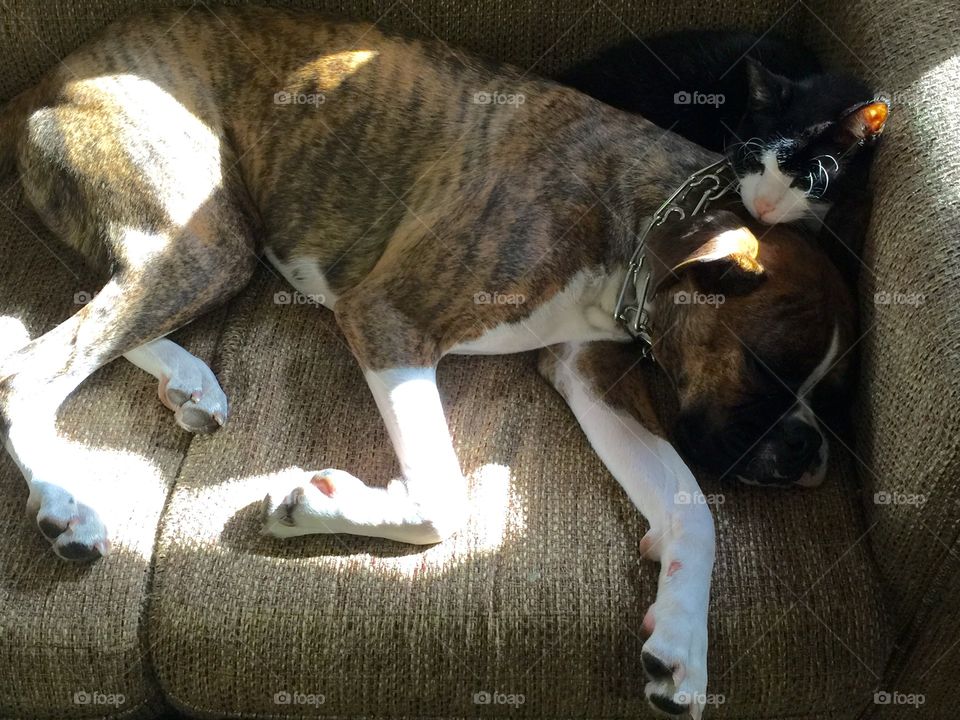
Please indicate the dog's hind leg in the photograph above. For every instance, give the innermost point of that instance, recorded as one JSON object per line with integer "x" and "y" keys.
{"x": 136, "y": 306}
{"x": 186, "y": 278}
{"x": 137, "y": 183}
{"x": 187, "y": 386}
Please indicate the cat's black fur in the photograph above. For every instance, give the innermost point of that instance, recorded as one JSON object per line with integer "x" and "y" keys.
{"x": 775, "y": 97}
{"x": 644, "y": 77}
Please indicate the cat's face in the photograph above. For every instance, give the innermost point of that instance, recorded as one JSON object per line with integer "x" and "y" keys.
{"x": 800, "y": 141}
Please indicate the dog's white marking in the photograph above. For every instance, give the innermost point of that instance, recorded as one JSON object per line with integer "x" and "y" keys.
{"x": 581, "y": 312}
{"x": 816, "y": 475}
{"x": 187, "y": 385}
{"x": 39, "y": 378}
{"x": 821, "y": 370}
{"x": 13, "y": 335}
{"x": 426, "y": 506}
{"x": 409, "y": 403}
{"x": 59, "y": 493}
{"x": 162, "y": 358}
{"x": 304, "y": 275}
{"x": 769, "y": 197}
{"x": 139, "y": 246}
{"x": 681, "y": 534}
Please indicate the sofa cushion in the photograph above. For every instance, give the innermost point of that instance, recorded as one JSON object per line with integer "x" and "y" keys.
{"x": 908, "y": 425}
{"x": 543, "y": 35}
{"x": 71, "y": 635}
{"x": 542, "y": 595}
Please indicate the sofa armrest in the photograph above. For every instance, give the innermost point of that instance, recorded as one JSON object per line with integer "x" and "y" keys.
{"x": 908, "y": 423}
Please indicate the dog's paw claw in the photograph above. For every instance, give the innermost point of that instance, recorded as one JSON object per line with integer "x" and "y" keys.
{"x": 674, "y": 660}
{"x": 53, "y": 528}
{"x": 199, "y": 404}
{"x": 654, "y": 667}
{"x": 667, "y": 705}
{"x": 280, "y": 518}
{"x": 74, "y": 530}
{"x": 314, "y": 505}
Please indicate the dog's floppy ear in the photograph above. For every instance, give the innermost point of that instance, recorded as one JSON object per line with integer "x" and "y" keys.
{"x": 721, "y": 252}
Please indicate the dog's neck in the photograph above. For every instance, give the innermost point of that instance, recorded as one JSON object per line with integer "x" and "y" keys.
{"x": 642, "y": 179}
{"x": 638, "y": 189}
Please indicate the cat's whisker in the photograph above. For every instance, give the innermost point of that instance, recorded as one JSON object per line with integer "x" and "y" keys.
{"x": 836, "y": 164}
{"x": 825, "y": 175}
{"x": 742, "y": 145}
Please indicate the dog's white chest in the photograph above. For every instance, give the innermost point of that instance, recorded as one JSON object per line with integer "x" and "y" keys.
{"x": 581, "y": 312}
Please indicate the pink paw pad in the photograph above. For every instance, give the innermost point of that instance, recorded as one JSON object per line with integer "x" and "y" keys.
{"x": 648, "y": 622}
{"x": 324, "y": 484}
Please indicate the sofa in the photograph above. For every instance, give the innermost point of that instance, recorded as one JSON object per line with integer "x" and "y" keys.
{"x": 838, "y": 602}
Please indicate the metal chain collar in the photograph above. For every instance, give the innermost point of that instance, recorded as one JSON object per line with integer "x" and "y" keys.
{"x": 716, "y": 180}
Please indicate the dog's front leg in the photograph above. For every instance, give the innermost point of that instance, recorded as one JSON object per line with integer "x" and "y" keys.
{"x": 657, "y": 481}
{"x": 425, "y": 506}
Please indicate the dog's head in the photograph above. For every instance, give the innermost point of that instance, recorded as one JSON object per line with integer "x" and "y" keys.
{"x": 754, "y": 326}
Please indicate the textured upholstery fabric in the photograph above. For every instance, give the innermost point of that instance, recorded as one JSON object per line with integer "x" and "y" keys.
{"x": 544, "y": 35}
{"x": 543, "y": 595}
{"x": 71, "y": 636}
{"x": 908, "y": 444}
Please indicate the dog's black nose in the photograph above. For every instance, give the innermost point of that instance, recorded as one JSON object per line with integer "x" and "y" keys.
{"x": 802, "y": 442}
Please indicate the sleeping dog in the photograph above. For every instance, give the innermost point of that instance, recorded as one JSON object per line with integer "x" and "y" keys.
{"x": 437, "y": 203}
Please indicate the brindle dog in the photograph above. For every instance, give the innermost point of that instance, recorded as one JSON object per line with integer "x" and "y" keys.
{"x": 438, "y": 203}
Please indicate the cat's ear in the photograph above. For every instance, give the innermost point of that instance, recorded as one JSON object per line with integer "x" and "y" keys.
{"x": 865, "y": 122}
{"x": 767, "y": 90}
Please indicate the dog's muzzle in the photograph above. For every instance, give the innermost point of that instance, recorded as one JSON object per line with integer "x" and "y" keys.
{"x": 794, "y": 451}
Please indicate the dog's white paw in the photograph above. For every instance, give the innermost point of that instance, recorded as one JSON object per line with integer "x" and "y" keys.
{"x": 187, "y": 385}
{"x": 334, "y": 501}
{"x": 320, "y": 502}
{"x": 13, "y": 335}
{"x": 675, "y": 661}
{"x": 191, "y": 390}
{"x": 73, "y": 528}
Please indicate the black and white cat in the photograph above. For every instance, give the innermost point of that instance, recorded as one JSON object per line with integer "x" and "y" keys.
{"x": 800, "y": 140}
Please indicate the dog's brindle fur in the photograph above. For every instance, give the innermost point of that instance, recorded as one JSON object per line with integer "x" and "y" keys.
{"x": 159, "y": 152}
